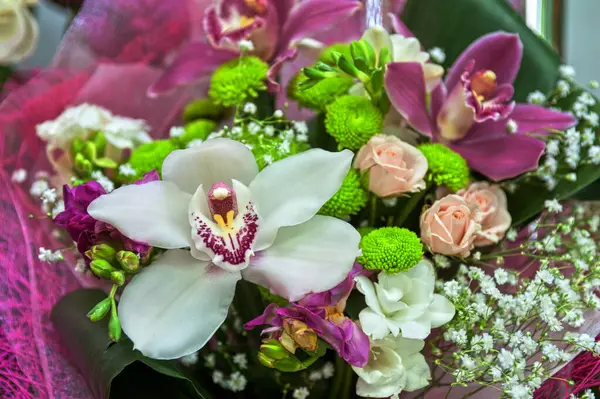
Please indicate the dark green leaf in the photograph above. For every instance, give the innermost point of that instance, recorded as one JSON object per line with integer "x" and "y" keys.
{"x": 100, "y": 362}
{"x": 454, "y": 25}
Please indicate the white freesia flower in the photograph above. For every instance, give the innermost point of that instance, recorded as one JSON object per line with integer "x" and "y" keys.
{"x": 85, "y": 119}
{"x": 238, "y": 223}
{"x": 403, "y": 302}
{"x": 19, "y": 31}
{"x": 395, "y": 365}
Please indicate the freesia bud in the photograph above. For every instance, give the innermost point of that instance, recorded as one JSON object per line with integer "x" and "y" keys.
{"x": 102, "y": 268}
{"x": 273, "y": 349}
{"x": 100, "y": 310}
{"x": 118, "y": 277}
{"x": 129, "y": 261}
{"x": 102, "y": 251}
{"x": 89, "y": 150}
{"x": 363, "y": 55}
{"x": 385, "y": 56}
{"x": 82, "y": 165}
{"x": 114, "y": 327}
{"x": 317, "y": 74}
{"x": 346, "y": 65}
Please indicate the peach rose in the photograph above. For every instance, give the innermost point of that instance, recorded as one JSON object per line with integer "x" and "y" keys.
{"x": 450, "y": 226}
{"x": 394, "y": 167}
{"x": 495, "y": 219}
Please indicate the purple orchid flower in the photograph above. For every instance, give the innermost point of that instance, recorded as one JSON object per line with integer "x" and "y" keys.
{"x": 273, "y": 26}
{"x": 323, "y": 313}
{"x": 472, "y": 110}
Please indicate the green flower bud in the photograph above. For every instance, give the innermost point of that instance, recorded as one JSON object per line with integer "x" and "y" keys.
{"x": 77, "y": 145}
{"x": 447, "y": 167}
{"x": 100, "y": 143}
{"x": 385, "y": 56}
{"x": 89, "y": 150}
{"x": 82, "y": 165}
{"x": 391, "y": 249}
{"x": 204, "y": 108}
{"x": 234, "y": 82}
{"x": 150, "y": 156}
{"x": 114, "y": 327}
{"x": 319, "y": 95}
{"x": 100, "y": 310}
{"x": 349, "y": 199}
{"x": 196, "y": 130}
{"x": 352, "y": 121}
{"x": 274, "y": 350}
{"x": 101, "y": 251}
{"x": 118, "y": 277}
{"x": 317, "y": 74}
{"x": 342, "y": 48}
{"x": 266, "y": 361}
{"x": 363, "y": 55}
{"x": 129, "y": 261}
{"x": 347, "y": 66}
{"x": 102, "y": 268}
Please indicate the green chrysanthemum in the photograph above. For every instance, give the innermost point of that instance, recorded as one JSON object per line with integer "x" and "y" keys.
{"x": 204, "y": 108}
{"x": 196, "y": 130}
{"x": 352, "y": 121}
{"x": 349, "y": 199}
{"x": 391, "y": 249}
{"x": 342, "y": 48}
{"x": 150, "y": 156}
{"x": 321, "y": 94}
{"x": 447, "y": 167}
{"x": 237, "y": 80}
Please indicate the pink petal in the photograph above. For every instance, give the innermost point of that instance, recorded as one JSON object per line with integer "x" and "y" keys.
{"x": 287, "y": 55}
{"x": 500, "y": 52}
{"x": 398, "y": 26}
{"x": 501, "y": 157}
{"x": 405, "y": 86}
{"x": 311, "y": 16}
{"x": 438, "y": 96}
{"x": 195, "y": 61}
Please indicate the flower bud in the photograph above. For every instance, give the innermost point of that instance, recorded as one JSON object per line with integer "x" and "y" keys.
{"x": 89, "y": 150}
{"x": 82, "y": 165}
{"x": 347, "y": 66}
{"x": 385, "y": 56}
{"x": 102, "y": 268}
{"x": 102, "y": 251}
{"x": 118, "y": 277}
{"x": 100, "y": 310}
{"x": 272, "y": 349}
{"x": 129, "y": 261}
{"x": 114, "y": 327}
{"x": 304, "y": 337}
{"x": 363, "y": 55}
{"x": 317, "y": 74}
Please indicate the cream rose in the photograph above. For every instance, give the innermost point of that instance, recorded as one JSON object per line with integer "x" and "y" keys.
{"x": 18, "y": 31}
{"x": 394, "y": 167}
{"x": 495, "y": 219}
{"x": 450, "y": 226}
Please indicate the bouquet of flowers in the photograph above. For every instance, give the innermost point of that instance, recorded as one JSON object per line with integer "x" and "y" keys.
{"x": 303, "y": 199}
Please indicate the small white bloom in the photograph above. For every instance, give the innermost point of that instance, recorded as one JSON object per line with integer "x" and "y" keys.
{"x": 237, "y": 382}
{"x": 210, "y": 360}
{"x": 553, "y": 147}
{"x": 103, "y": 180}
{"x": 390, "y": 202}
{"x": 441, "y": 261}
{"x": 253, "y": 128}
{"x": 315, "y": 376}
{"x": 189, "y": 360}
{"x": 49, "y": 196}
{"x": 45, "y": 255}
{"x": 511, "y": 234}
{"x": 594, "y": 84}
{"x": 519, "y": 392}
{"x": 594, "y": 154}
{"x": 246, "y": 45}
{"x": 250, "y": 108}
{"x": 468, "y": 362}
{"x": 512, "y": 126}
{"x": 58, "y": 208}
{"x": 302, "y": 138}
{"x": 571, "y": 177}
{"x": 127, "y": 170}
{"x": 284, "y": 147}
{"x": 38, "y": 187}
{"x": 506, "y": 359}
{"x": 328, "y": 370}
{"x": 269, "y": 131}
{"x": 268, "y": 158}
{"x": 437, "y": 55}
{"x": 301, "y": 127}
{"x": 19, "y": 176}
{"x": 80, "y": 266}
{"x": 501, "y": 276}
{"x": 536, "y": 97}
{"x": 218, "y": 377}
{"x": 592, "y": 118}
{"x": 563, "y": 88}
{"x": 278, "y": 114}
{"x": 553, "y": 206}
{"x": 588, "y": 137}
{"x": 241, "y": 360}
{"x": 566, "y": 71}
{"x": 477, "y": 255}
{"x": 586, "y": 98}
{"x": 176, "y": 131}
{"x": 301, "y": 393}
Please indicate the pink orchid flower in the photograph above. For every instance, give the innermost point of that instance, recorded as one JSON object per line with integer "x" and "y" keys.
{"x": 472, "y": 110}
{"x": 275, "y": 28}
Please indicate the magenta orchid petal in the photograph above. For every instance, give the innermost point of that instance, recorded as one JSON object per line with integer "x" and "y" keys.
{"x": 405, "y": 86}
{"x": 501, "y": 157}
{"x": 438, "y": 97}
{"x": 499, "y": 52}
{"x": 311, "y": 16}
{"x": 337, "y": 294}
{"x": 398, "y": 26}
{"x": 195, "y": 61}
{"x": 534, "y": 118}
{"x": 276, "y": 66}
{"x": 269, "y": 317}
{"x": 490, "y": 102}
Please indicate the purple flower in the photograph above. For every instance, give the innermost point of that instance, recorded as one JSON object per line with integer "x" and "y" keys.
{"x": 273, "y": 26}
{"x": 87, "y": 231}
{"x": 323, "y": 313}
{"x": 472, "y": 110}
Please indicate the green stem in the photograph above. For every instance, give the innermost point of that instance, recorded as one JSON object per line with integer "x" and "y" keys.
{"x": 338, "y": 378}
{"x": 373, "y": 213}
{"x": 410, "y": 205}
{"x": 347, "y": 387}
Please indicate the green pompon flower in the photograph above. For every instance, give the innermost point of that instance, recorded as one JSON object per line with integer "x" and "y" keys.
{"x": 321, "y": 94}
{"x": 204, "y": 108}
{"x": 267, "y": 296}
{"x": 237, "y": 80}
{"x": 196, "y": 130}
{"x": 391, "y": 249}
{"x": 349, "y": 199}
{"x": 352, "y": 121}
{"x": 342, "y": 48}
{"x": 447, "y": 167}
{"x": 150, "y": 156}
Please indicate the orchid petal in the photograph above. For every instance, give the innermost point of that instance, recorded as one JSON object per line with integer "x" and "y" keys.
{"x": 499, "y": 52}
{"x": 312, "y": 257}
{"x": 532, "y": 118}
{"x": 195, "y": 61}
{"x": 154, "y": 213}
{"x": 291, "y": 191}
{"x": 405, "y": 86}
{"x": 398, "y": 26}
{"x": 215, "y": 160}
{"x": 501, "y": 157}
{"x": 310, "y": 16}
{"x": 173, "y": 307}
{"x": 441, "y": 311}
{"x": 276, "y": 65}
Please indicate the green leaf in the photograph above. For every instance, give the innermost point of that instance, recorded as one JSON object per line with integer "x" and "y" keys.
{"x": 100, "y": 362}
{"x": 454, "y": 25}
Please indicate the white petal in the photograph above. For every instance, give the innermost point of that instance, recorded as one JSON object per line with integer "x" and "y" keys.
{"x": 215, "y": 160}
{"x": 291, "y": 191}
{"x": 378, "y": 38}
{"x": 366, "y": 287}
{"x": 418, "y": 373}
{"x": 441, "y": 311}
{"x": 373, "y": 324}
{"x": 312, "y": 257}
{"x": 423, "y": 271}
{"x": 417, "y": 329}
{"x": 173, "y": 307}
{"x": 154, "y": 213}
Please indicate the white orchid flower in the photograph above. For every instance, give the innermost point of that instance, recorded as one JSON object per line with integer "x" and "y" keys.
{"x": 238, "y": 223}
{"x": 395, "y": 365}
{"x": 403, "y": 302}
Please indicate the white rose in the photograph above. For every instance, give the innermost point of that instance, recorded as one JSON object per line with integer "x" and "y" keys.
{"x": 18, "y": 31}
{"x": 403, "y": 302}
{"x": 395, "y": 365}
